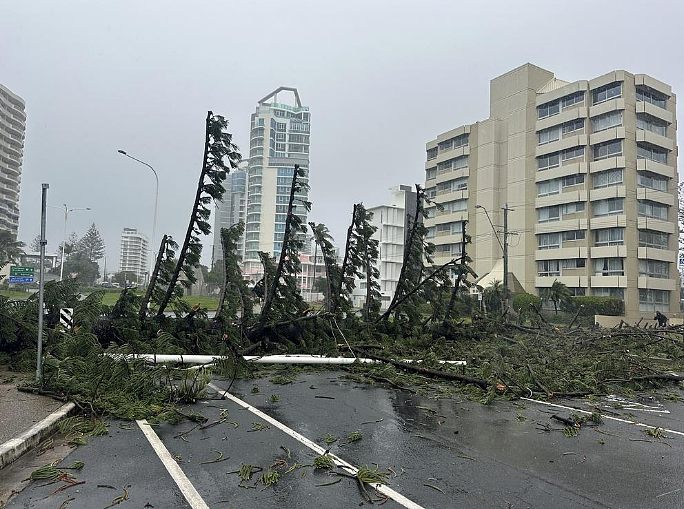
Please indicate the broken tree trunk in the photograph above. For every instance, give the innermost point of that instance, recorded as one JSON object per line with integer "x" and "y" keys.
{"x": 153, "y": 279}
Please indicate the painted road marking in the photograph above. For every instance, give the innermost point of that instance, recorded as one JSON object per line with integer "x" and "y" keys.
{"x": 635, "y": 423}
{"x": 351, "y": 469}
{"x": 186, "y": 487}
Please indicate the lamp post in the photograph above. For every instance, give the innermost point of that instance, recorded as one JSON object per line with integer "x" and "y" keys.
{"x": 156, "y": 198}
{"x": 504, "y": 246}
{"x": 66, "y": 211}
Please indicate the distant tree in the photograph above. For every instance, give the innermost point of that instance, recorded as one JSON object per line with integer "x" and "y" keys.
{"x": 367, "y": 249}
{"x": 557, "y": 293}
{"x": 493, "y": 297}
{"x": 70, "y": 246}
{"x": 91, "y": 244}
{"x": 35, "y": 244}
{"x": 123, "y": 278}
{"x": 83, "y": 270}
{"x": 10, "y": 247}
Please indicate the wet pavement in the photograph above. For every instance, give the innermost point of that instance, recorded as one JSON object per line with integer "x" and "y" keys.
{"x": 444, "y": 453}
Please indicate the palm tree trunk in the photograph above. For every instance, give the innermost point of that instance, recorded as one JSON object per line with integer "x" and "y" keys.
{"x": 338, "y": 290}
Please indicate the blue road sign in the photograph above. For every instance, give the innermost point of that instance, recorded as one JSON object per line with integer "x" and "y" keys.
{"x": 21, "y": 279}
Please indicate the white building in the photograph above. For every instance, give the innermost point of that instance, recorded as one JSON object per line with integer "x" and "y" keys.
{"x": 231, "y": 210}
{"x": 12, "y": 129}
{"x": 391, "y": 222}
{"x": 135, "y": 252}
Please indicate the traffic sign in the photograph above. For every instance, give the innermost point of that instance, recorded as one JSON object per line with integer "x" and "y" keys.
{"x": 21, "y": 279}
{"x": 18, "y": 270}
{"x": 66, "y": 318}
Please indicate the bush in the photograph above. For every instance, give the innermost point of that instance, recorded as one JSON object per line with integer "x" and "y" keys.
{"x": 522, "y": 301}
{"x": 611, "y": 306}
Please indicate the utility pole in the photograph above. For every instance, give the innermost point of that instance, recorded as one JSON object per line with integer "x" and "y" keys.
{"x": 505, "y": 251}
{"x": 43, "y": 242}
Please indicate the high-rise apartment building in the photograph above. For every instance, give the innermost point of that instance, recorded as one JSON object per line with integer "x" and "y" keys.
{"x": 231, "y": 210}
{"x": 279, "y": 140}
{"x": 12, "y": 130}
{"x": 392, "y": 222}
{"x": 589, "y": 169}
{"x": 135, "y": 251}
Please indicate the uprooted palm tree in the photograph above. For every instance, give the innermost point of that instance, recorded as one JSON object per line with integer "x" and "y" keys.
{"x": 556, "y": 293}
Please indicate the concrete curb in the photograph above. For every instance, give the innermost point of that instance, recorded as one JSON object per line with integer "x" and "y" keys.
{"x": 12, "y": 449}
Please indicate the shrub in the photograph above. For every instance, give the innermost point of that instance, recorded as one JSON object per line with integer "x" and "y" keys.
{"x": 522, "y": 301}
{"x": 611, "y": 306}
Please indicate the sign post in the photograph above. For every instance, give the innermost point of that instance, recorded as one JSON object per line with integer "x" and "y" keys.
{"x": 19, "y": 274}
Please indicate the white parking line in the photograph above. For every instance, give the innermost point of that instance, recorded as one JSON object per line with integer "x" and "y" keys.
{"x": 381, "y": 488}
{"x": 634, "y": 423}
{"x": 186, "y": 487}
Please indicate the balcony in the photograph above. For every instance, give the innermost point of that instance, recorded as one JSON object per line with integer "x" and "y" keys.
{"x": 657, "y": 283}
{"x": 655, "y": 167}
{"x": 449, "y": 195}
{"x": 561, "y": 198}
{"x": 644, "y": 193}
{"x": 654, "y": 139}
{"x": 451, "y": 154}
{"x": 446, "y": 175}
{"x": 569, "y": 281}
{"x": 612, "y": 133}
{"x": 561, "y": 118}
{"x": 655, "y": 111}
{"x": 649, "y": 223}
{"x": 606, "y": 107}
{"x": 608, "y": 192}
{"x": 615, "y": 221}
{"x": 561, "y": 226}
{"x": 562, "y": 253}
{"x": 560, "y": 171}
{"x": 652, "y": 253}
{"x": 609, "y": 281}
{"x": 562, "y": 144}
{"x": 609, "y": 252}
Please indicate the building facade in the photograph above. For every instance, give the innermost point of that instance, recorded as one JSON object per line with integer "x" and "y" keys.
{"x": 12, "y": 132}
{"x": 279, "y": 140}
{"x": 135, "y": 252}
{"x": 231, "y": 210}
{"x": 392, "y": 222}
{"x": 588, "y": 170}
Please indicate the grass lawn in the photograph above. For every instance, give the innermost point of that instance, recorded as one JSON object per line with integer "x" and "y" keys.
{"x": 111, "y": 297}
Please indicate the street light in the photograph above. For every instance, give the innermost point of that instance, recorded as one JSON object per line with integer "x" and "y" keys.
{"x": 66, "y": 211}
{"x": 496, "y": 234}
{"x": 156, "y": 197}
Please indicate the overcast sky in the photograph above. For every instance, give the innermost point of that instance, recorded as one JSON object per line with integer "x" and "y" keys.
{"x": 381, "y": 78}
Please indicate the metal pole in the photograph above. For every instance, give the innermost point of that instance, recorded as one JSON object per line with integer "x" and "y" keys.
{"x": 61, "y": 266}
{"x": 43, "y": 242}
{"x": 505, "y": 252}
{"x": 313, "y": 280}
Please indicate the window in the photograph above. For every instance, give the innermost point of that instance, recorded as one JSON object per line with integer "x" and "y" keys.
{"x": 573, "y": 235}
{"x": 443, "y": 248}
{"x": 609, "y": 266}
{"x": 280, "y": 147}
{"x": 654, "y": 268}
{"x": 548, "y": 109}
{"x": 548, "y": 214}
{"x": 430, "y": 212}
{"x": 430, "y": 233}
{"x": 453, "y": 164}
{"x": 281, "y": 209}
{"x": 430, "y": 192}
{"x": 548, "y": 161}
{"x": 280, "y": 218}
{"x": 646, "y": 151}
{"x": 282, "y": 190}
{"x": 548, "y": 187}
{"x": 281, "y": 126}
{"x": 649, "y": 123}
{"x": 607, "y": 149}
{"x": 607, "y": 178}
{"x": 618, "y": 293}
{"x": 282, "y": 199}
{"x": 459, "y": 184}
{"x": 548, "y": 241}
{"x": 652, "y": 181}
{"x": 608, "y": 207}
{"x": 654, "y": 300}
{"x": 573, "y": 208}
{"x": 649, "y": 95}
{"x": 431, "y": 173}
{"x": 457, "y": 227}
{"x": 279, "y": 227}
{"x": 444, "y": 227}
{"x": 607, "y": 92}
{"x": 609, "y": 237}
{"x": 299, "y": 138}
{"x": 571, "y": 99}
{"x": 285, "y": 172}
{"x": 549, "y": 135}
{"x": 646, "y": 208}
{"x": 577, "y": 292}
{"x": 546, "y": 268}
{"x": 573, "y": 180}
{"x": 574, "y": 263}
{"x": 652, "y": 238}
{"x": 606, "y": 121}
{"x": 283, "y": 181}
{"x": 432, "y": 153}
{"x": 573, "y": 125}
{"x": 279, "y": 237}
{"x": 455, "y": 206}
{"x": 572, "y": 153}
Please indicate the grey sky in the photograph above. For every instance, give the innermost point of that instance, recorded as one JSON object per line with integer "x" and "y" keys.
{"x": 380, "y": 77}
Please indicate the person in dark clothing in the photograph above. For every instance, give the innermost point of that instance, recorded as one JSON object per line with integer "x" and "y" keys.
{"x": 662, "y": 319}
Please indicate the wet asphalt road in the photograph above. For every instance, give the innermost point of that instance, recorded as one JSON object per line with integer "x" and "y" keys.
{"x": 446, "y": 453}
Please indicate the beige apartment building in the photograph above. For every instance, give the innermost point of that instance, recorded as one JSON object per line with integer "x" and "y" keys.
{"x": 588, "y": 170}
{"x": 12, "y": 131}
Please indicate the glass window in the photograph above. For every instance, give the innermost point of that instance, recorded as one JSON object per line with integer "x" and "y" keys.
{"x": 548, "y": 187}
{"x": 548, "y": 109}
{"x": 654, "y": 300}
{"x": 548, "y": 214}
{"x": 572, "y": 153}
{"x": 653, "y": 124}
{"x": 548, "y": 161}
{"x": 606, "y": 121}
{"x": 431, "y": 192}
{"x": 652, "y": 238}
{"x": 573, "y": 125}
{"x": 573, "y": 235}
{"x": 548, "y": 241}
{"x": 607, "y": 178}
{"x": 652, "y": 181}
{"x": 571, "y": 99}
{"x": 577, "y": 292}
{"x": 649, "y": 95}
{"x": 281, "y": 126}
{"x": 646, "y": 151}
{"x": 444, "y": 227}
{"x": 609, "y": 292}
{"x": 431, "y": 173}
{"x": 453, "y": 164}
{"x": 432, "y": 153}
{"x": 457, "y": 227}
{"x": 546, "y": 268}
{"x": 549, "y": 135}
{"x": 430, "y": 233}
{"x": 646, "y": 208}
{"x": 609, "y": 266}
{"x": 609, "y": 237}
{"x": 607, "y": 92}
{"x": 573, "y": 180}
{"x": 573, "y": 208}
{"x": 574, "y": 263}
{"x": 608, "y": 207}
{"x": 654, "y": 268}
{"x": 607, "y": 149}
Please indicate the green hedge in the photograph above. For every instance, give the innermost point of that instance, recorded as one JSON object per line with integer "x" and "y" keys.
{"x": 522, "y": 301}
{"x": 611, "y": 306}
